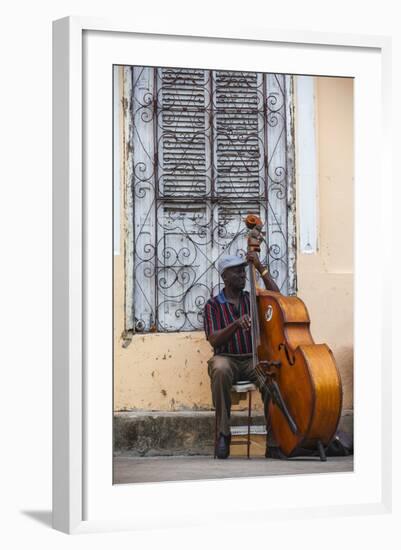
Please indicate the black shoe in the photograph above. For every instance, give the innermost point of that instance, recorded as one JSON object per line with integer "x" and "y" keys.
{"x": 274, "y": 452}
{"x": 223, "y": 446}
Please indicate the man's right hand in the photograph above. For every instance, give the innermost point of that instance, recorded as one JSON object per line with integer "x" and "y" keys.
{"x": 244, "y": 322}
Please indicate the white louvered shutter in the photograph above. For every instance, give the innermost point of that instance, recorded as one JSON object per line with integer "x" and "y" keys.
{"x": 208, "y": 148}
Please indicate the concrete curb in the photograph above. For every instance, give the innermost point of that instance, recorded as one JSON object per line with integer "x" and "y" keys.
{"x": 181, "y": 433}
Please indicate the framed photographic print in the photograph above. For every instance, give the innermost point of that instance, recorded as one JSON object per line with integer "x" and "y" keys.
{"x": 195, "y": 152}
{"x": 163, "y": 145}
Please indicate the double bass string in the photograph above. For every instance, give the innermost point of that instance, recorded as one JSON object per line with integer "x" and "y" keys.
{"x": 255, "y": 335}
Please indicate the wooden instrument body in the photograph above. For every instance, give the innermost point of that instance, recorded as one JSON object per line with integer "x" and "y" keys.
{"x": 308, "y": 378}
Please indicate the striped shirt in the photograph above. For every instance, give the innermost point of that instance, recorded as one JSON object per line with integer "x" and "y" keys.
{"x": 219, "y": 313}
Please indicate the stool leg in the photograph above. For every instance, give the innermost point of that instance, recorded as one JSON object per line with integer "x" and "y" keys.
{"x": 249, "y": 423}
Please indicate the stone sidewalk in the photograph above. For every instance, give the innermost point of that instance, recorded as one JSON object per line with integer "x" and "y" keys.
{"x": 156, "y": 469}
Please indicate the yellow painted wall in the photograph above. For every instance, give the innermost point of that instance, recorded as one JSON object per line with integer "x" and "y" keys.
{"x": 169, "y": 371}
{"x": 325, "y": 279}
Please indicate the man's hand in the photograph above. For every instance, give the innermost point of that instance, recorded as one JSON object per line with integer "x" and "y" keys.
{"x": 268, "y": 281}
{"x": 254, "y": 258}
{"x": 244, "y": 322}
{"x": 223, "y": 335}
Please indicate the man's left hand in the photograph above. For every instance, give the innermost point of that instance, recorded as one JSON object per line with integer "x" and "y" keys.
{"x": 254, "y": 258}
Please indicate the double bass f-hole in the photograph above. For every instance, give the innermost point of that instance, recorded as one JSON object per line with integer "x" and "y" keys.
{"x": 291, "y": 360}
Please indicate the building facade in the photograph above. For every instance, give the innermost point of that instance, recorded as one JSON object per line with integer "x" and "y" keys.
{"x": 194, "y": 152}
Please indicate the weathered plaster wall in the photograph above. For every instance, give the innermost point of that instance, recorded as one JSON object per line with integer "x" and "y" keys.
{"x": 169, "y": 371}
{"x": 158, "y": 371}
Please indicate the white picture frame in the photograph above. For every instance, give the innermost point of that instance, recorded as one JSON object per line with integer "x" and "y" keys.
{"x": 84, "y": 498}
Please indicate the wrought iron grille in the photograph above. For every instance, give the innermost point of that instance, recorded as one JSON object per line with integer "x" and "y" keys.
{"x": 208, "y": 147}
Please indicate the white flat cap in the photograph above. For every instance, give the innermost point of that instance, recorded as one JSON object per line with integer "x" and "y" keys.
{"x": 230, "y": 261}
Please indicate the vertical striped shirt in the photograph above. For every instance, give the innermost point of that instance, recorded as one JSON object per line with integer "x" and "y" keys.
{"x": 219, "y": 313}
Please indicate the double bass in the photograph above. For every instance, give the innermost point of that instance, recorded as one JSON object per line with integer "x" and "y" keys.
{"x": 302, "y": 377}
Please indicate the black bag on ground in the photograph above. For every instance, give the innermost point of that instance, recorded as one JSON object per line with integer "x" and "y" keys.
{"x": 341, "y": 445}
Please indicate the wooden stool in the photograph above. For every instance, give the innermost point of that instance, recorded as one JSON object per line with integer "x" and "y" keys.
{"x": 244, "y": 386}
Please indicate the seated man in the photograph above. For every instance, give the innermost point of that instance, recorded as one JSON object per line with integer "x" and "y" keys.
{"x": 227, "y": 323}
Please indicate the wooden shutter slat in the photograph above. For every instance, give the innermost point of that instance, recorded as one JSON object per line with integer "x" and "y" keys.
{"x": 237, "y": 146}
{"x": 182, "y": 146}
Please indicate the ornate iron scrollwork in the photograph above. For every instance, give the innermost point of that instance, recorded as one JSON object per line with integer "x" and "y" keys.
{"x": 208, "y": 149}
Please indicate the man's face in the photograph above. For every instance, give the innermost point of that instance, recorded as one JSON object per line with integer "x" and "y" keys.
{"x": 235, "y": 277}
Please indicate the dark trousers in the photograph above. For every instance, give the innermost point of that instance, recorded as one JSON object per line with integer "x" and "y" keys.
{"x": 224, "y": 371}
